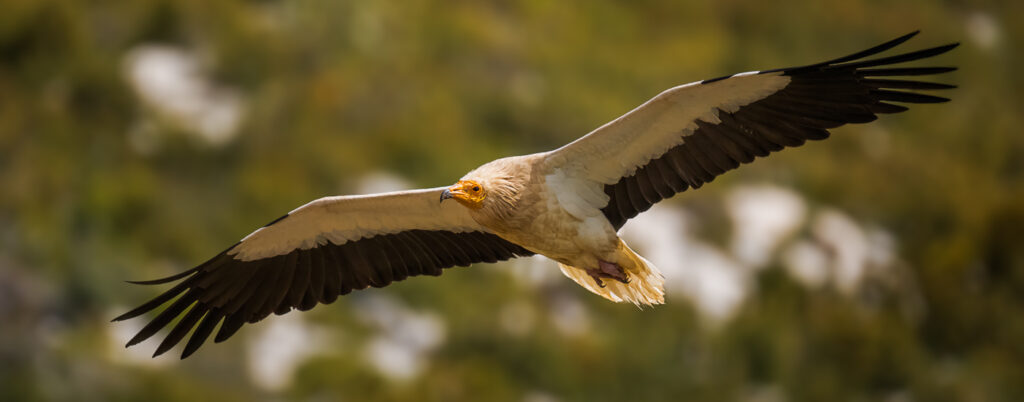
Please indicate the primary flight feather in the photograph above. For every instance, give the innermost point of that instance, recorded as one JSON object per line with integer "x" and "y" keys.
{"x": 566, "y": 204}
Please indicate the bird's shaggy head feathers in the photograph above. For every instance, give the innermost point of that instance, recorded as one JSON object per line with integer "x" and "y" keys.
{"x": 501, "y": 183}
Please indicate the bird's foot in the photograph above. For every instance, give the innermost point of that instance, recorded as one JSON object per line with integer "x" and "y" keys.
{"x": 608, "y": 270}
{"x": 613, "y": 271}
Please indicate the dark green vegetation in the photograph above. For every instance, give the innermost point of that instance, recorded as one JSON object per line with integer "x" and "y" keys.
{"x": 98, "y": 186}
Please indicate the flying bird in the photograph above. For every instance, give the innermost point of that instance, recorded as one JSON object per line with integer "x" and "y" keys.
{"x": 566, "y": 204}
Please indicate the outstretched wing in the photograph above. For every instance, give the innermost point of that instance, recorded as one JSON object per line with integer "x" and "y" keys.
{"x": 688, "y": 135}
{"x": 317, "y": 252}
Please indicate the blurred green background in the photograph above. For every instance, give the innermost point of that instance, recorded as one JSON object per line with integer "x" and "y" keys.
{"x": 138, "y": 138}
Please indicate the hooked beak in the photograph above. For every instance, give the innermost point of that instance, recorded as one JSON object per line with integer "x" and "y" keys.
{"x": 446, "y": 194}
{"x": 466, "y": 192}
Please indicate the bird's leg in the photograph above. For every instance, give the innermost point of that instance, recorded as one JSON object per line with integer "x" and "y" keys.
{"x": 608, "y": 270}
{"x": 614, "y": 271}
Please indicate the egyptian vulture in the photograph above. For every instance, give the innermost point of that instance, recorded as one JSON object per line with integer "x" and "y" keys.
{"x": 566, "y": 204}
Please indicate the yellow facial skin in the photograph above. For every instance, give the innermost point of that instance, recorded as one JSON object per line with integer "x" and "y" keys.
{"x": 468, "y": 193}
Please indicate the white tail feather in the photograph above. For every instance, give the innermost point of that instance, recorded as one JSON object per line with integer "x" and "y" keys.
{"x": 646, "y": 284}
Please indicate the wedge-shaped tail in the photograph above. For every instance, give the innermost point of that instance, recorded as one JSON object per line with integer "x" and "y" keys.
{"x": 646, "y": 284}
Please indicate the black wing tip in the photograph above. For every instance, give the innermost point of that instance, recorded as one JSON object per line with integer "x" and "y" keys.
{"x": 943, "y": 48}
{"x": 903, "y": 71}
{"x": 153, "y": 281}
{"x": 856, "y": 60}
{"x": 882, "y": 47}
{"x": 905, "y": 37}
{"x": 197, "y": 339}
{"x": 137, "y": 339}
{"x": 160, "y": 299}
{"x": 193, "y": 344}
{"x": 861, "y": 54}
{"x": 888, "y": 45}
{"x": 859, "y": 63}
{"x": 172, "y": 278}
{"x": 160, "y": 281}
{"x": 186, "y": 353}
{"x": 228, "y": 328}
{"x": 161, "y": 350}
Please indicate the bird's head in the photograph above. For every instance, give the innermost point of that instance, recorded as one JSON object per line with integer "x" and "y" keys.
{"x": 469, "y": 193}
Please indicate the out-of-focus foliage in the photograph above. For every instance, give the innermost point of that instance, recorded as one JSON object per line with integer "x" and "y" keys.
{"x": 100, "y": 182}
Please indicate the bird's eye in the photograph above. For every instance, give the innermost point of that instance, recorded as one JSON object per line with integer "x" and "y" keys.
{"x": 476, "y": 188}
